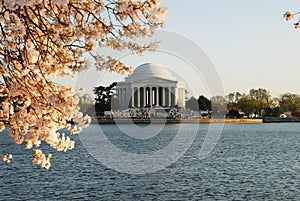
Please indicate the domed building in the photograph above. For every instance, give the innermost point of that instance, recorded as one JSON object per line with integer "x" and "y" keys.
{"x": 150, "y": 85}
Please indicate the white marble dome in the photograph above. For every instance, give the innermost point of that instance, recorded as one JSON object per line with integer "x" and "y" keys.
{"x": 151, "y": 70}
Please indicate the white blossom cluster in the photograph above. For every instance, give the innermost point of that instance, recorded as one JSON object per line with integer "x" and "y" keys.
{"x": 41, "y": 159}
{"x": 42, "y": 38}
{"x": 289, "y": 15}
{"x": 6, "y": 158}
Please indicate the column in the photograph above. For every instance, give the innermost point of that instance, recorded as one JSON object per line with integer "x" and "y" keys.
{"x": 145, "y": 96}
{"x": 174, "y": 101}
{"x": 157, "y": 96}
{"x": 119, "y": 97}
{"x": 118, "y": 94}
{"x": 151, "y": 97}
{"x": 125, "y": 102}
{"x": 139, "y": 97}
{"x": 179, "y": 97}
{"x": 183, "y": 96}
{"x": 163, "y": 96}
{"x": 122, "y": 98}
{"x": 176, "y": 98}
{"x": 170, "y": 94}
{"x": 132, "y": 97}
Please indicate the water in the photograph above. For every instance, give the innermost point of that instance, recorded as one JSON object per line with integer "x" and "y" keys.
{"x": 250, "y": 162}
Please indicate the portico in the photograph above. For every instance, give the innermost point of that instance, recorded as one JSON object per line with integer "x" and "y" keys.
{"x": 150, "y": 85}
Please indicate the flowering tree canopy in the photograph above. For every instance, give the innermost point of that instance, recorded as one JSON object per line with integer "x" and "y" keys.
{"x": 289, "y": 15}
{"x": 42, "y": 38}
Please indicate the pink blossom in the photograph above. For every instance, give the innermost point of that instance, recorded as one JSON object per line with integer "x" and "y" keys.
{"x": 42, "y": 38}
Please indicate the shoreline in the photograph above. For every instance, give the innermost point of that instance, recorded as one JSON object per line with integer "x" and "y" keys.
{"x": 176, "y": 121}
{"x": 280, "y": 120}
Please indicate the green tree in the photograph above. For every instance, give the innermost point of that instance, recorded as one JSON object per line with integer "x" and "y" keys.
{"x": 232, "y": 100}
{"x": 247, "y": 104}
{"x": 103, "y": 98}
{"x": 218, "y": 106}
{"x": 273, "y": 111}
{"x": 289, "y": 102}
{"x": 262, "y": 100}
{"x": 192, "y": 103}
{"x": 204, "y": 103}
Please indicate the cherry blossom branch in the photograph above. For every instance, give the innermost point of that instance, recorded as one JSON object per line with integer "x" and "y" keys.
{"x": 42, "y": 38}
{"x": 289, "y": 15}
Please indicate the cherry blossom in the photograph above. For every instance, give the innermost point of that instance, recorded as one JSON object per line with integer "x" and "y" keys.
{"x": 42, "y": 38}
{"x": 6, "y": 158}
{"x": 289, "y": 15}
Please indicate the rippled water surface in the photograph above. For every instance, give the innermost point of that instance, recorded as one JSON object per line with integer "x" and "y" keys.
{"x": 250, "y": 162}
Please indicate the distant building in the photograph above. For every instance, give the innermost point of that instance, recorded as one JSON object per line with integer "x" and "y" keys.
{"x": 150, "y": 85}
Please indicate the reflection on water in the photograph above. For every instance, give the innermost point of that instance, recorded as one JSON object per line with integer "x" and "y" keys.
{"x": 250, "y": 162}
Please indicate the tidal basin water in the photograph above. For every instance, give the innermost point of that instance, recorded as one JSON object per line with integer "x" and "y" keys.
{"x": 249, "y": 162}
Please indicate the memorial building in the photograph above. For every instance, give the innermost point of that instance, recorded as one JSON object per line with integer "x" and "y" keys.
{"x": 150, "y": 85}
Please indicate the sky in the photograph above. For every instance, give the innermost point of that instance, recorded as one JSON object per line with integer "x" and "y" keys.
{"x": 248, "y": 42}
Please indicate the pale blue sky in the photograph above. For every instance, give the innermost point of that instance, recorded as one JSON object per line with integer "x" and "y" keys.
{"x": 249, "y": 42}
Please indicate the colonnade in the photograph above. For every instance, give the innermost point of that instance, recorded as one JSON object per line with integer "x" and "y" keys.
{"x": 148, "y": 96}
{"x": 152, "y": 96}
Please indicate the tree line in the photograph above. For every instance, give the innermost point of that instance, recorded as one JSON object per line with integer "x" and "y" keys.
{"x": 258, "y": 102}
